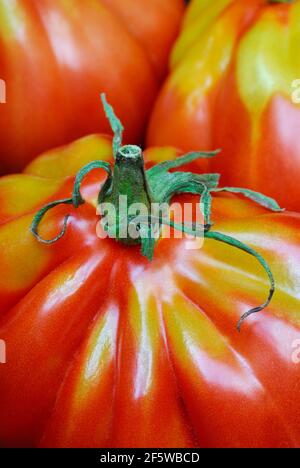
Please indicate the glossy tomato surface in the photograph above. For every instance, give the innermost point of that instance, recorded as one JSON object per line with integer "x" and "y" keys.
{"x": 235, "y": 84}
{"x": 57, "y": 56}
{"x": 107, "y": 349}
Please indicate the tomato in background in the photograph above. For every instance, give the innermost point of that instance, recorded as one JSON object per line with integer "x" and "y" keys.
{"x": 233, "y": 85}
{"x": 57, "y": 56}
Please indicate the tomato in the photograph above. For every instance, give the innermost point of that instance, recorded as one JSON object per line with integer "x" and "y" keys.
{"x": 56, "y": 56}
{"x": 235, "y": 84}
{"x": 107, "y": 349}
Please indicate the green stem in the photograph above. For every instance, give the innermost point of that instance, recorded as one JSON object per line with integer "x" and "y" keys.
{"x": 129, "y": 187}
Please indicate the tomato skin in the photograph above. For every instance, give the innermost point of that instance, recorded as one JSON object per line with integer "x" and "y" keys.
{"x": 105, "y": 349}
{"x": 56, "y": 57}
{"x": 149, "y": 22}
{"x": 231, "y": 87}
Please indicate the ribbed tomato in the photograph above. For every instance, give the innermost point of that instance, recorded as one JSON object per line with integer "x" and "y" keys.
{"x": 107, "y": 349}
{"x": 56, "y": 56}
{"x": 235, "y": 84}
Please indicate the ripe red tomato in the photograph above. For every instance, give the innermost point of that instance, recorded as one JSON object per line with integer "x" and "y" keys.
{"x": 107, "y": 349}
{"x": 56, "y": 57}
{"x": 235, "y": 84}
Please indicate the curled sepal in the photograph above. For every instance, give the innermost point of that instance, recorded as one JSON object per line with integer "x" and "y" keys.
{"x": 206, "y": 203}
{"x": 115, "y": 124}
{"x": 240, "y": 245}
{"x": 41, "y": 213}
{"x": 181, "y": 161}
{"x": 147, "y": 241}
{"x": 257, "y": 197}
{"x": 166, "y": 184}
{"x": 196, "y": 230}
{"x": 76, "y": 196}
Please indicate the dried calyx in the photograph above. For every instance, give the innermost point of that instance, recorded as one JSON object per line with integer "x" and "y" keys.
{"x": 158, "y": 185}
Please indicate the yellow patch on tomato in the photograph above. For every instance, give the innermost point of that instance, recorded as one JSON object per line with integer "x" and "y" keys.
{"x": 12, "y": 20}
{"x": 200, "y": 15}
{"x": 21, "y": 193}
{"x": 160, "y": 154}
{"x": 23, "y": 259}
{"x": 268, "y": 62}
{"x": 206, "y": 62}
{"x": 98, "y": 355}
{"x": 145, "y": 330}
{"x": 190, "y": 330}
{"x": 68, "y": 160}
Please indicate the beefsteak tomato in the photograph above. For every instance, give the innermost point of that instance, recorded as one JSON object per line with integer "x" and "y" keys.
{"x": 235, "y": 84}
{"x": 56, "y": 56}
{"x": 107, "y": 349}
